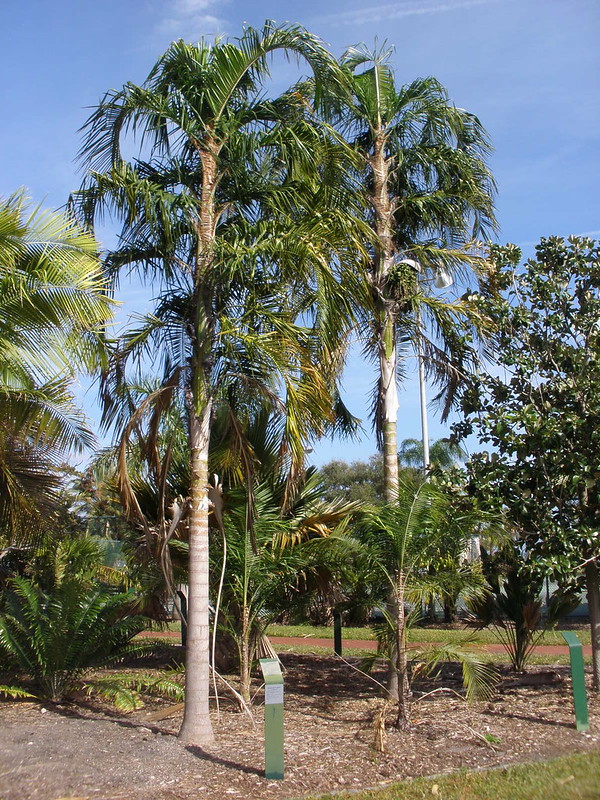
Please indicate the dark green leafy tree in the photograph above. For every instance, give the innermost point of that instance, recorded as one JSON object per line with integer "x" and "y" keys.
{"x": 539, "y": 414}
{"x": 360, "y": 481}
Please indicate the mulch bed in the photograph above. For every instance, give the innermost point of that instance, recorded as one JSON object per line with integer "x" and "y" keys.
{"x": 331, "y": 720}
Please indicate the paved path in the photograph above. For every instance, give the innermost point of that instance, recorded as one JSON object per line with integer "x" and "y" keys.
{"x": 370, "y": 644}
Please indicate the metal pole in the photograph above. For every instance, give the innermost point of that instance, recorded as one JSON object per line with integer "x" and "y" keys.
{"x": 337, "y": 633}
{"x": 423, "y": 397}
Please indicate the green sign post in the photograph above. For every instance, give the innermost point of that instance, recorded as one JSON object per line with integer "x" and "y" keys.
{"x": 271, "y": 670}
{"x": 337, "y": 633}
{"x": 578, "y": 679}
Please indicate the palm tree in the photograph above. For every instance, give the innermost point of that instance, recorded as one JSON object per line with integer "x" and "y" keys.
{"x": 403, "y": 540}
{"x": 280, "y": 545}
{"x": 443, "y": 453}
{"x": 217, "y": 212}
{"x": 53, "y": 307}
{"x": 427, "y": 192}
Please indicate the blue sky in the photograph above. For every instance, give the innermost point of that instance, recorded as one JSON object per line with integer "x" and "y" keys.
{"x": 529, "y": 69}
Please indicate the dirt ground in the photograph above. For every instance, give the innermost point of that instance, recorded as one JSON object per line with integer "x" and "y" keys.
{"x": 331, "y": 712}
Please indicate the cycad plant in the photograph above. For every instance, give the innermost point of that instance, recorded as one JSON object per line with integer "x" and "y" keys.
{"x": 402, "y": 540}
{"x": 513, "y": 605}
{"x": 55, "y": 637}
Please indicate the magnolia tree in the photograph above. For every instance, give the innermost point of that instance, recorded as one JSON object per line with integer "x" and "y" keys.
{"x": 539, "y": 414}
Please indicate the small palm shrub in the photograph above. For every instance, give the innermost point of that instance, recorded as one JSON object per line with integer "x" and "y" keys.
{"x": 56, "y": 636}
{"x": 513, "y": 606}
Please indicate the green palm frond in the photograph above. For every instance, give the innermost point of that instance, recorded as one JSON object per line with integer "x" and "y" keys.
{"x": 53, "y": 309}
{"x": 126, "y": 691}
{"x": 14, "y": 692}
{"x": 479, "y": 674}
{"x": 56, "y": 637}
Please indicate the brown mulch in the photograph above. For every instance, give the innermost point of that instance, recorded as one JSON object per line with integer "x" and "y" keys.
{"x": 88, "y": 751}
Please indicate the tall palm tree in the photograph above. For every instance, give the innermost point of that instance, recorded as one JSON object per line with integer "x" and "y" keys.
{"x": 53, "y": 307}
{"x": 194, "y": 216}
{"x": 427, "y": 193}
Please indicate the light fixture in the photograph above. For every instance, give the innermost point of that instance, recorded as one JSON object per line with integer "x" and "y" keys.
{"x": 410, "y": 262}
{"x": 443, "y": 279}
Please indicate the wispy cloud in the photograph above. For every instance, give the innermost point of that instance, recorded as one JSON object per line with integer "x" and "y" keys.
{"x": 191, "y": 19}
{"x": 404, "y": 8}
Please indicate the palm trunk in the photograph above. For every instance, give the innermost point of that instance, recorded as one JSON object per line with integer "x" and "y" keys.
{"x": 385, "y": 322}
{"x": 197, "y": 727}
{"x": 387, "y": 355}
{"x": 592, "y": 577}
{"x": 245, "y": 658}
{"x": 389, "y": 400}
{"x": 401, "y": 665}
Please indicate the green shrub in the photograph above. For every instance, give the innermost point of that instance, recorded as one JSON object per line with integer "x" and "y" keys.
{"x": 56, "y": 636}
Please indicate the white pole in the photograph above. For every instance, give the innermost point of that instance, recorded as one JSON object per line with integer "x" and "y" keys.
{"x": 423, "y": 397}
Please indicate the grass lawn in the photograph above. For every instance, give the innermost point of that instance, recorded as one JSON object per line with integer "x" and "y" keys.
{"x": 575, "y": 777}
{"x": 425, "y": 635}
{"x": 495, "y": 658}
{"x": 486, "y": 636}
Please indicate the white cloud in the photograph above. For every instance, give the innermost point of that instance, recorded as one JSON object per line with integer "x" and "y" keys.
{"x": 191, "y": 19}
{"x": 404, "y": 8}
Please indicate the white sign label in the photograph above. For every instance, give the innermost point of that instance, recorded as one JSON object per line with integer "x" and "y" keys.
{"x": 270, "y": 666}
{"x": 273, "y": 693}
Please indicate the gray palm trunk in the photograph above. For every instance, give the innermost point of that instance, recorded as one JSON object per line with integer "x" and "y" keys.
{"x": 385, "y": 321}
{"x": 197, "y": 727}
{"x": 397, "y": 680}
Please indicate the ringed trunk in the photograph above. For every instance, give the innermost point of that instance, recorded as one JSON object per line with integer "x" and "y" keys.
{"x": 401, "y": 665}
{"x": 385, "y": 322}
{"x": 197, "y": 727}
{"x": 245, "y": 662}
{"x": 387, "y": 365}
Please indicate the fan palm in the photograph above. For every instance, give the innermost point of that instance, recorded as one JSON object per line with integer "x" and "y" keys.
{"x": 443, "y": 453}
{"x": 53, "y": 306}
{"x": 218, "y": 213}
{"x": 427, "y": 192}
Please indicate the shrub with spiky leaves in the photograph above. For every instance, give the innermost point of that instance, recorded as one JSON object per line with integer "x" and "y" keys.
{"x": 125, "y": 691}
{"x": 56, "y": 637}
